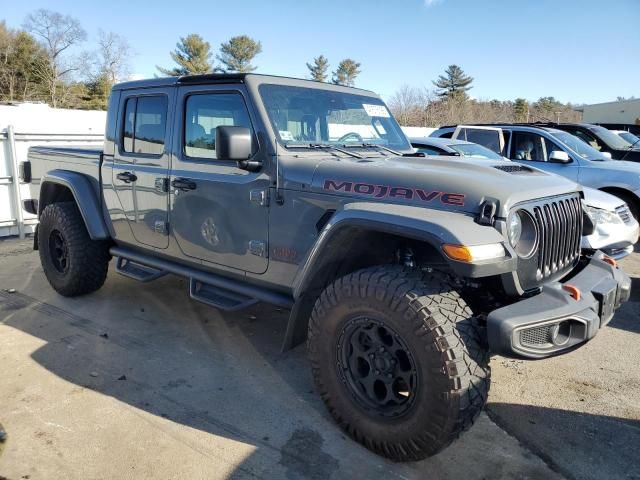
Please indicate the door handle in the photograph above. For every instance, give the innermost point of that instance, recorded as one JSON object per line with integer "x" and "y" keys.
{"x": 127, "y": 177}
{"x": 183, "y": 184}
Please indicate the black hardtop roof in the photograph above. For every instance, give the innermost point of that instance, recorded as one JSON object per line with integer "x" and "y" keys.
{"x": 522, "y": 124}
{"x": 226, "y": 78}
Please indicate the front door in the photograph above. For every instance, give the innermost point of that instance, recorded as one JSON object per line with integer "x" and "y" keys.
{"x": 219, "y": 212}
{"x": 529, "y": 146}
{"x": 141, "y": 167}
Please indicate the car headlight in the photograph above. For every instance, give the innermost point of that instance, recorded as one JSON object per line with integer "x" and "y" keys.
{"x": 599, "y": 216}
{"x": 522, "y": 233}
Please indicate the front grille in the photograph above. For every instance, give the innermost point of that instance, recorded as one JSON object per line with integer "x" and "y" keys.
{"x": 559, "y": 224}
{"x": 624, "y": 213}
{"x": 536, "y": 336}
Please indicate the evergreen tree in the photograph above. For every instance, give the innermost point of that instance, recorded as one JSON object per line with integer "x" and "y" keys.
{"x": 521, "y": 110}
{"x": 454, "y": 83}
{"x": 237, "y": 54}
{"x": 193, "y": 56}
{"x": 318, "y": 68}
{"x": 346, "y": 72}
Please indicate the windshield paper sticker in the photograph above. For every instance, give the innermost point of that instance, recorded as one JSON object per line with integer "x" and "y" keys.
{"x": 286, "y": 135}
{"x": 376, "y": 110}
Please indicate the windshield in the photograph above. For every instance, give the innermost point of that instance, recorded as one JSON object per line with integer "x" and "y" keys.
{"x": 610, "y": 138}
{"x": 474, "y": 150}
{"x": 318, "y": 116}
{"x": 630, "y": 137}
{"x": 580, "y": 147}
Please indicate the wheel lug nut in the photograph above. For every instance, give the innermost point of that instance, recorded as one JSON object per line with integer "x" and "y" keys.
{"x": 381, "y": 349}
{"x": 377, "y": 372}
{"x": 371, "y": 355}
{"x": 389, "y": 375}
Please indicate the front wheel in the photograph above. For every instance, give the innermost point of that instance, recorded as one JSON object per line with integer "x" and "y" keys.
{"x": 399, "y": 360}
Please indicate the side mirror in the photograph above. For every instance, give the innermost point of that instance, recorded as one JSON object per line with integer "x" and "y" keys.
{"x": 233, "y": 143}
{"x": 558, "y": 156}
{"x": 606, "y": 154}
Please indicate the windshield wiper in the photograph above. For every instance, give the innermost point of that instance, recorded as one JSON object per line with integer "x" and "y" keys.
{"x": 323, "y": 146}
{"x": 374, "y": 145}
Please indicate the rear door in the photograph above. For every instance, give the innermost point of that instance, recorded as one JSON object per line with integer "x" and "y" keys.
{"x": 219, "y": 212}
{"x": 490, "y": 137}
{"x": 141, "y": 167}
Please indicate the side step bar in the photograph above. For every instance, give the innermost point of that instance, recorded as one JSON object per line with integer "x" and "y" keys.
{"x": 210, "y": 288}
{"x": 138, "y": 271}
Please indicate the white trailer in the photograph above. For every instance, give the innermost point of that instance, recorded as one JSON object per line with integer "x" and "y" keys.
{"x": 28, "y": 124}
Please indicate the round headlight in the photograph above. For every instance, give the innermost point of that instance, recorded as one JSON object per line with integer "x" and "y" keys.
{"x": 523, "y": 234}
{"x": 515, "y": 229}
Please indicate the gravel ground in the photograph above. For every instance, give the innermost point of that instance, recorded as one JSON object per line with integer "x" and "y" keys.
{"x": 138, "y": 381}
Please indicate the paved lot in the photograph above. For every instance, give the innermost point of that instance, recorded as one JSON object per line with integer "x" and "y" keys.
{"x": 138, "y": 381}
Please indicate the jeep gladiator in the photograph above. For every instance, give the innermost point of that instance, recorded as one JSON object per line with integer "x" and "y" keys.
{"x": 403, "y": 273}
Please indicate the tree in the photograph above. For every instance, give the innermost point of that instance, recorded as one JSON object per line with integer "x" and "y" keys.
{"x": 113, "y": 56}
{"x": 454, "y": 83}
{"x": 346, "y": 72}
{"x": 19, "y": 53}
{"x": 318, "y": 68}
{"x": 237, "y": 54}
{"x": 193, "y": 56}
{"x": 521, "y": 110}
{"x": 57, "y": 33}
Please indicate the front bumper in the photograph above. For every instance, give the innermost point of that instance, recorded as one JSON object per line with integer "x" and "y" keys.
{"x": 553, "y": 321}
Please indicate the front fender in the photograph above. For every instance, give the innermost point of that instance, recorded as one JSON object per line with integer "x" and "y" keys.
{"x": 435, "y": 227}
{"x": 84, "y": 195}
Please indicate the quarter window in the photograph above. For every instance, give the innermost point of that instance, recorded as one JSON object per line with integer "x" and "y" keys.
{"x": 145, "y": 123}
{"x": 205, "y": 113}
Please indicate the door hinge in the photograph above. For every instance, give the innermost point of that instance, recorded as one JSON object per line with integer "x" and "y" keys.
{"x": 259, "y": 197}
{"x": 258, "y": 248}
{"x": 161, "y": 227}
{"x": 162, "y": 185}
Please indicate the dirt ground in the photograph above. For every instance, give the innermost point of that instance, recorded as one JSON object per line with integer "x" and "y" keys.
{"x": 139, "y": 381}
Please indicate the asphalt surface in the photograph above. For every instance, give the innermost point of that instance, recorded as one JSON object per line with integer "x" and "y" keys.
{"x": 139, "y": 381}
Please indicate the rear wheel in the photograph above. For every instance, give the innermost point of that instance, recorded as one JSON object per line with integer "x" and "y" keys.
{"x": 398, "y": 359}
{"x": 72, "y": 262}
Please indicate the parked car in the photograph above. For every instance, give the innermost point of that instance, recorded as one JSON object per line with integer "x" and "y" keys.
{"x": 628, "y": 127}
{"x": 628, "y": 136}
{"x": 602, "y": 139}
{"x": 615, "y": 232}
{"x": 556, "y": 151}
{"x": 402, "y": 275}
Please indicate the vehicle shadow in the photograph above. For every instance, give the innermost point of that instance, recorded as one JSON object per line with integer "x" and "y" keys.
{"x": 628, "y": 316}
{"x": 154, "y": 349}
{"x": 577, "y": 445}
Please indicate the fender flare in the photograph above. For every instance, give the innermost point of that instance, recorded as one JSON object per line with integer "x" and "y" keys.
{"x": 84, "y": 195}
{"x": 434, "y": 227}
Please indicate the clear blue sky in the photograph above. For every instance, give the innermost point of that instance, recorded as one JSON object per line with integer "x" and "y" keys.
{"x": 583, "y": 51}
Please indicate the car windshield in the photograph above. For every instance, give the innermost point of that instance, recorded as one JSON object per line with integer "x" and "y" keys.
{"x": 474, "y": 150}
{"x": 610, "y": 138}
{"x": 630, "y": 137}
{"x": 318, "y": 116}
{"x": 579, "y": 146}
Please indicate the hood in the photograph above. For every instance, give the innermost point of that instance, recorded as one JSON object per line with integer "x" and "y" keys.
{"x": 438, "y": 182}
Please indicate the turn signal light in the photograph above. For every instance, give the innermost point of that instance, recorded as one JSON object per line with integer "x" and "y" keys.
{"x": 458, "y": 252}
{"x": 474, "y": 253}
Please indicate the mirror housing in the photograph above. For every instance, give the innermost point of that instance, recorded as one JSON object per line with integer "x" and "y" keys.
{"x": 558, "y": 156}
{"x": 235, "y": 143}
{"x": 606, "y": 154}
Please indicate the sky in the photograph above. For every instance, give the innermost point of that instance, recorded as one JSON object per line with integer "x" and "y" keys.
{"x": 580, "y": 51}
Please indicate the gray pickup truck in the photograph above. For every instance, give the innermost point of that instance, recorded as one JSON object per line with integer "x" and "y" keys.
{"x": 402, "y": 273}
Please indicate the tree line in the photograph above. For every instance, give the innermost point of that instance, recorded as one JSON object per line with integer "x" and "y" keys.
{"x": 449, "y": 103}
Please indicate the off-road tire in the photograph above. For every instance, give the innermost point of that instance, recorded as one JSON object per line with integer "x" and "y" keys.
{"x": 87, "y": 260}
{"x": 439, "y": 329}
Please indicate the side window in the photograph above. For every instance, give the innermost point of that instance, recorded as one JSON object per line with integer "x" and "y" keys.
{"x": 145, "y": 123}
{"x": 527, "y": 146}
{"x": 486, "y": 138}
{"x": 428, "y": 150}
{"x": 206, "y": 112}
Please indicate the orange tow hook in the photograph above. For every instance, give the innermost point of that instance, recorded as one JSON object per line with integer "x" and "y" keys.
{"x": 574, "y": 292}
{"x": 610, "y": 261}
